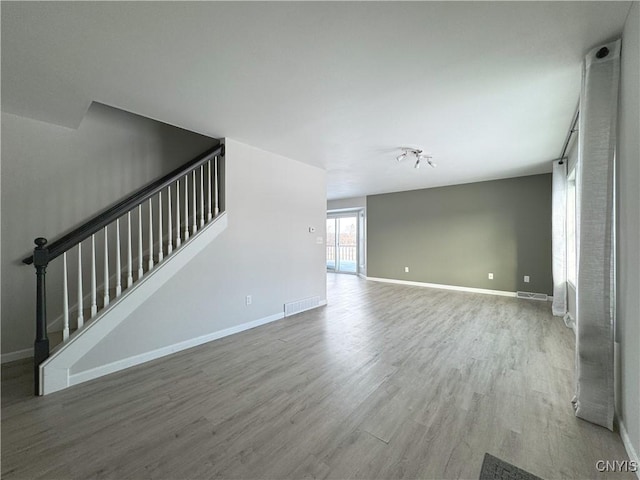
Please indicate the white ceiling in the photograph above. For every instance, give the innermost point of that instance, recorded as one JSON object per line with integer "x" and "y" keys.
{"x": 488, "y": 88}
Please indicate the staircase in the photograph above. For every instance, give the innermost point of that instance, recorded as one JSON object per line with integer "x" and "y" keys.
{"x": 116, "y": 260}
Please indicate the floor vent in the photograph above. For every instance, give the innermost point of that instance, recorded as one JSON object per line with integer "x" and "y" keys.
{"x": 301, "y": 305}
{"x": 532, "y": 296}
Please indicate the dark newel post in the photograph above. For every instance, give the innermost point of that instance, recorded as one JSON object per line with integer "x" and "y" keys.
{"x": 41, "y": 345}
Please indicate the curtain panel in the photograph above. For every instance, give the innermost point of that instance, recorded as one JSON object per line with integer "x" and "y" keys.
{"x": 559, "y": 238}
{"x": 594, "y": 399}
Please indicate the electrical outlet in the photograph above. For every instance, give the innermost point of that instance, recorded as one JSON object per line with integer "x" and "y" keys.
{"x": 526, "y": 279}
{"x": 248, "y": 300}
{"x": 406, "y": 269}
{"x": 490, "y": 276}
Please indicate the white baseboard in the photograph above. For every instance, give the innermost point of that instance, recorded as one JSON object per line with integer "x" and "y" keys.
{"x": 17, "y": 355}
{"x": 631, "y": 451}
{"x": 501, "y": 293}
{"x": 118, "y": 365}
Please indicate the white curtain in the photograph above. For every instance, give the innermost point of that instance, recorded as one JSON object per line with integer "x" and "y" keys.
{"x": 594, "y": 399}
{"x": 559, "y": 238}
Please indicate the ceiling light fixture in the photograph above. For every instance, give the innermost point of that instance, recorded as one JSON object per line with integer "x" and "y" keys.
{"x": 418, "y": 154}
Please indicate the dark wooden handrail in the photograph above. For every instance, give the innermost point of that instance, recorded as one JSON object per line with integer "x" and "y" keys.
{"x": 109, "y": 215}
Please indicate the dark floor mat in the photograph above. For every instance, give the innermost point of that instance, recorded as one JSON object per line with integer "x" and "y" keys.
{"x": 495, "y": 469}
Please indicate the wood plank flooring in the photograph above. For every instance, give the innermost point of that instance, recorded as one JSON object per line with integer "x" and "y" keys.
{"x": 387, "y": 381}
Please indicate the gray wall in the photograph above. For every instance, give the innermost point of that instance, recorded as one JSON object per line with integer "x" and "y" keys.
{"x": 628, "y": 233}
{"x": 267, "y": 251}
{"x": 457, "y": 235}
{"x": 54, "y": 178}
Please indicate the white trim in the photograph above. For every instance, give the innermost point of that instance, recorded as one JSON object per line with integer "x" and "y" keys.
{"x": 17, "y": 355}
{"x": 362, "y": 275}
{"x": 75, "y": 379}
{"x": 631, "y": 451}
{"x": 69, "y": 353}
{"x": 501, "y": 293}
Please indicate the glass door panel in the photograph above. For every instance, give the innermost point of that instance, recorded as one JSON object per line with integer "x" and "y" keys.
{"x": 347, "y": 245}
{"x": 331, "y": 244}
{"x": 342, "y": 244}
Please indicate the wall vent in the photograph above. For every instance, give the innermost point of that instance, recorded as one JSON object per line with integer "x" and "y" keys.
{"x": 301, "y": 305}
{"x": 532, "y": 296}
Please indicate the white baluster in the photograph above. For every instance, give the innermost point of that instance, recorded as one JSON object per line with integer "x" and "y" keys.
{"x": 129, "y": 253}
{"x": 194, "y": 227}
{"x": 216, "y": 190}
{"x": 106, "y": 269}
{"x": 65, "y": 299}
{"x": 150, "y": 262}
{"x": 118, "y": 264}
{"x": 80, "y": 293}
{"x": 209, "y": 190}
{"x": 94, "y": 301}
{"x": 201, "y": 196}
{"x": 186, "y": 207}
{"x": 178, "y": 226}
{"x": 160, "y": 247}
{"x": 169, "y": 222}
{"x": 140, "y": 260}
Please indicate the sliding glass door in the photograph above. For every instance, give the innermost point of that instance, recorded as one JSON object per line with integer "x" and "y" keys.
{"x": 342, "y": 244}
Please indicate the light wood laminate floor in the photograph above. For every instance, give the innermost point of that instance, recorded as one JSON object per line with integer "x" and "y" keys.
{"x": 387, "y": 381}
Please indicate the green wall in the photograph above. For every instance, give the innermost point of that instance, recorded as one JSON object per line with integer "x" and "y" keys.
{"x": 456, "y": 235}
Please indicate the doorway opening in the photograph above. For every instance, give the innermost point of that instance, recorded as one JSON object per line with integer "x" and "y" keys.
{"x": 343, "y": 233}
